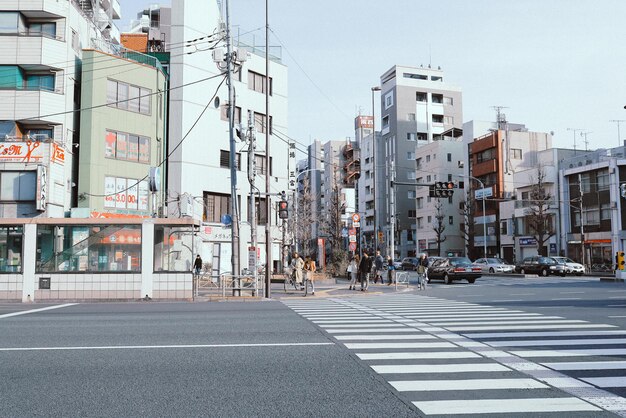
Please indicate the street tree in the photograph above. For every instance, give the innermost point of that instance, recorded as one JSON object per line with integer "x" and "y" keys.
{"x": 331, "y": 227}
{"x": 439, "y": 225}
{"x": 467, "y": 211}
{"x": 302, "y": 228}
{"x": 538, "y": 217}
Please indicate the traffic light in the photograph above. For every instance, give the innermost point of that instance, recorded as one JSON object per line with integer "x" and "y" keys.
{"x": 283, "y": 209}
{"x": 622, "y": 189}
{"x": 441, "y": 189}
{"x": 620, "y": 260}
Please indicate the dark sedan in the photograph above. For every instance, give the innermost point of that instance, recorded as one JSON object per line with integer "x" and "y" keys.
{"x": 409, "y": 263}
{"x": 449, "y": 269}
{"x": 542, "y": 266}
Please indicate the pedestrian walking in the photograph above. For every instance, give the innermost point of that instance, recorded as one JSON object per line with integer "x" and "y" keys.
{"x": 365, "y": 269}
{"x": 390, "y": 270}
{"x": 197, "y": 265}
{"x": 422, "y": 271}
{"x": 353, "y": 269}
{"x": 309, "y": 269}
{"x": 297, "y": 264}
{"x": 378, "y": 268}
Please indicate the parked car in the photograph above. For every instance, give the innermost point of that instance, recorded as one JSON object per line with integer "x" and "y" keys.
{"x": 409, "y": 263}
{"x": 494, "y": 265}
{"x": 432, "y": 259}
{"x": 449, "y": 269}
{"x": 397, "y": 263}
{"x": 543, "y": 266}
{"x": 571, "y": 267}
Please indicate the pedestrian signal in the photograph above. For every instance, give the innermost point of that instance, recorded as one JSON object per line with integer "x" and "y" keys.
{"x": 283, "y": 209}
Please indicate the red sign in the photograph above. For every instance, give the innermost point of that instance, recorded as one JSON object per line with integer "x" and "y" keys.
{"x": 352, "y": 246}
{"x": 356, "y": 217}
{"x": 352, "y": 231}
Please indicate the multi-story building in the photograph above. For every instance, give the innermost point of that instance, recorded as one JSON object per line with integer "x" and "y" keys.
{"x": 40, "y": 75}
{"x": 199, "y": 145}
{"x": 123, "y": 141}
{"x": 417, "y": 107}
{"x": 591, "y": 181}
{"x": 437, "y": 220}
{"x": 494, "y": 156}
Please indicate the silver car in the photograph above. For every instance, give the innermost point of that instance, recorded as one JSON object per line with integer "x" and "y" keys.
{"x": 571, "y": 267}
{"x": 494, "y": 265}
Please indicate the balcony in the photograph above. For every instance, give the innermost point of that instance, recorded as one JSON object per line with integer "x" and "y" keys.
{"x": 22, "y": 104}
{"x": 36, "y": 8}
{"x": 32, "y": 50}
{"x": 486, "y": 167}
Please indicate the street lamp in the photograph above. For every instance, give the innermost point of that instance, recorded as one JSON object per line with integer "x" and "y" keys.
{"x": 482, "y": 186}
{"x": 374, "y": 89}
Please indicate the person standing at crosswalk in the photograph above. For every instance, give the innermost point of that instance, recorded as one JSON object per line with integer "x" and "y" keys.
{"x": 353, "y": 269}
{"x": 365, "y": 269}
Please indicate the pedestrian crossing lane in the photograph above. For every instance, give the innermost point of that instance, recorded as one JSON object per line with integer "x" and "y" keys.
{"x": 410, "y": 353}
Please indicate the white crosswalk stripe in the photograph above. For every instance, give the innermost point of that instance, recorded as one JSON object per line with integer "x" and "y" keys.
{"x": 426, "y": 346}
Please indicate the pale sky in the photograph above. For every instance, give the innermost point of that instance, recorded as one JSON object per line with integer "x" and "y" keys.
{"x": 555, "y": 64}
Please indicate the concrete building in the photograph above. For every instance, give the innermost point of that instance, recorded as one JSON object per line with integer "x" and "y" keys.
{"x": 122, "y": 141}
{"x": 494, "y": 156}
{"x": 40, "y": 57}
{"x": 417, "y": 107}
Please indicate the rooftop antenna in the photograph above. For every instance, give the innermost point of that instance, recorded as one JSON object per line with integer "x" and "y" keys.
{"x": 500, "y": 117}
{"x": 575, "y": 130}
{"x": 430, "y": 55}
{"x": 584, "y": 134}
{"x": 618, "y": 121}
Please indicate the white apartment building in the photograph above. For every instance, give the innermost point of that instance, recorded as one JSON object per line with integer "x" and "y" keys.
{"x": 40, "y": 51}
{"x": 198, "y": 167}
{"x": 417, "y": 107}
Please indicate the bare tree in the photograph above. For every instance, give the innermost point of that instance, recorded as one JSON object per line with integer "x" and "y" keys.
{"x": 439, "y": 225}
{"x": 538, "y": 217}
{"x": 331, "y": 227}
{"x": 468, "y": 209}
{"x": 302, "y": 229}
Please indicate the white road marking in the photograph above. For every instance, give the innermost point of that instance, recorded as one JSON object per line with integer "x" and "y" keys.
{"x": 378, "y": 346}
{"x": 607, "y": 382}
{"x": 482, "y": 335}
{"x": 354, "y": 321}
{"x": 587, "y": 365}
{"x": 465, "y": 384}
{"x": 532, "y": 343}
{"x": 418, "y": 356}
{"x": 502, "y": 406}
{"x": 144, "y": 347}
{"x": 440, "y": 368}
{"x": 361, "y": 325}
{"x": 522, "y": 294}
{"x": 571, "y": 353}
{"x": 507, "y": 327}
{"x": 344, "y": 331}
{"x": 386, "y": 337}
{"x": 617, "y": 316}
{"x": 514, "y": 321}
{"x": 481, "y": 319}
{"x": 507, "y": 300}
{"x": 8, "y": 315}
{"x": 566, "y": 299}
{"x": 576, "y": 292}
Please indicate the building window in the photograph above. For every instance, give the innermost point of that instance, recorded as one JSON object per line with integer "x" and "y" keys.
{"x": 261, "y": 166}
{"x": 486, "y": 155}
{"x": 410, "y": 194}
{"x": 438, "y": 119}
{"x": 260, "y": 209}
{"x": 106, "y": 248}
{"x": 422, "y": 136}
{"x": 18, "y": 186}
{"x": 128, "y": 97}
{"x": 410, "y": 117}
{"x": 428, "y": 158}
{"x": 386, "y": 121}
{"x": 437, "y": 98}
{"x": 224, "y": 113}
{"x": 415, "y": 76}
{"x": 388, "y": 100}
{"x": 410, "y": 155}
{"x": 448, "y": 120}
{"x": 449, "y": 157}
{"x": 412, "y": 213}
{"x": 451, "y": 220}
{"x": 429, "y": 219}
{"x": 420, "y": 203}
{"x": 216, "y": 205}
{"x": 428, "y": 178}
{"x": 368, "y": 190}
{"x": 586, "y": 182}
{"x": 436, "y": 78}
{"x": 75, "y": 41}
{"x": 418, "y": 162}
{"x": 421, "y": 96}
{"x": 592, "y": 216}
{"x": 48, "y": 30}
{"x": 410, "y": 175}
{"x": 450, "y": 200}
{"x": 410, "y": 136}
{"x": 127, "y": 147}
{"x": 504, "y": 227}
{"x": 605, "y": 211}
{"x": 603, "y": 179}
{"x": 420, "y": 223}
{"x": 448, "y": 101}
{"x": 173, "y": 248}
{"x": 123, "y": 193}
{"x": 516, "y": 154}
{"x": 9, "y": 23}
{"x": 260, "y": 123}
{"x": 11, "y": 249}
{"x": 225, "y": 159}
{"x": 258, "y": 82}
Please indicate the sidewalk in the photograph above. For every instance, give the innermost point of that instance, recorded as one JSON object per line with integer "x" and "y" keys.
{"x": 337, "y": 287}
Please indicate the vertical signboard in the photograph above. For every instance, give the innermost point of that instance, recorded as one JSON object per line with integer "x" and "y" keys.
{"x": 42, "y": 186}
{"x": 144, "y": 195}
{"x": 109, "y": 192}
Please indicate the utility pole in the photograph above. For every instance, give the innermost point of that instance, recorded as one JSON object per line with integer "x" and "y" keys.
{"x": 582, "y": 230}
{"x": 253, "y": 201}
{"x": 374, "y": 171}
{"x": 619, "y": 137}
{"x": 392, "y": 215}
{"x": 235, "y": 257}
{"x": 268, "y": 160}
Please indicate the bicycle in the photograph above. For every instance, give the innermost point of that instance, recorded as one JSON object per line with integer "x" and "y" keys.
{"x": 290, "y": 280}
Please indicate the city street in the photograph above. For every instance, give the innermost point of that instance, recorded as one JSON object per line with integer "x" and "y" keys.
{"x": 509, "y": 346}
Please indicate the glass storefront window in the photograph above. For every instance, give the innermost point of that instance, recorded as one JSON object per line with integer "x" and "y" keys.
{"x": 11, "y": 249}
{"x": 173, "y": 248}
{"x": 96, "y": 249}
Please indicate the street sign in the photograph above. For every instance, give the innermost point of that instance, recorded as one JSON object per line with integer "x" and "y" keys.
{"x": 356, "y": 224}
{"x": 352, "y": 246}
{"x": 356, "y": 217}
{"x": 352, "y": 238}
{"x": 352, "y": 232}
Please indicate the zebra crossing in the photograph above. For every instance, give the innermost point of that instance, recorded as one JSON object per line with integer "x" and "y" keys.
{"x": 458, "y": 358}
{"x": 490, "y": 281}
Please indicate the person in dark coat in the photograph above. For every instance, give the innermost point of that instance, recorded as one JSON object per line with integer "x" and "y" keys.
{"x": 197, "y": 265}
{"x": 378, "y": 267}
{"x": 365, "y": 268}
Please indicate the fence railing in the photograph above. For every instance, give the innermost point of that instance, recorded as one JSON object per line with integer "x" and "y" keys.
{"x": 227, "y": 285}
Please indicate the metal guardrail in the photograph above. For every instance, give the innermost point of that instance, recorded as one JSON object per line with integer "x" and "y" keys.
{"x": 402, "y": 278}
{"x": 227, "y": 285}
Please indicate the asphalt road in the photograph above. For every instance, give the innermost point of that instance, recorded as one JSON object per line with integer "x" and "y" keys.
{"x": 382, "y": 353}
